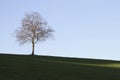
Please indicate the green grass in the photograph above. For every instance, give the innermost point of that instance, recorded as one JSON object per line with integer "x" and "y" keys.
{"x": 19, "y": 67}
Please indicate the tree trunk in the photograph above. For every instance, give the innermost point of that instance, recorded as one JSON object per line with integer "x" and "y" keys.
{"x": 33, "y": 47}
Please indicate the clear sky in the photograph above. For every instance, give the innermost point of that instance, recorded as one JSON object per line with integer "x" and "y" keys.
{"x": 83, "y": 28}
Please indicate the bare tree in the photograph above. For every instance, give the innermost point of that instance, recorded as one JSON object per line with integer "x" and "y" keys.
{"x": 33, "y": 29}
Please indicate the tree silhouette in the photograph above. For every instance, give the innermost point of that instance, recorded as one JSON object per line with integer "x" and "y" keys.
{"x": 34, "y": 29}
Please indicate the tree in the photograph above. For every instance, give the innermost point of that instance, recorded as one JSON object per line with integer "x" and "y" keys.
{"x": 33, "y": 30}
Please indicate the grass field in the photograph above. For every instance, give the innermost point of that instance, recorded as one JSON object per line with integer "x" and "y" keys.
{"x": 22, "y": 67}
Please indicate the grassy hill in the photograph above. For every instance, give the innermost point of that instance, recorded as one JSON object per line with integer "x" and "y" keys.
{"x": 19, "y": 67}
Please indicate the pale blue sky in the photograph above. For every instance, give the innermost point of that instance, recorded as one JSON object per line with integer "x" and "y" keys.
{"x": 84, "y": 28}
